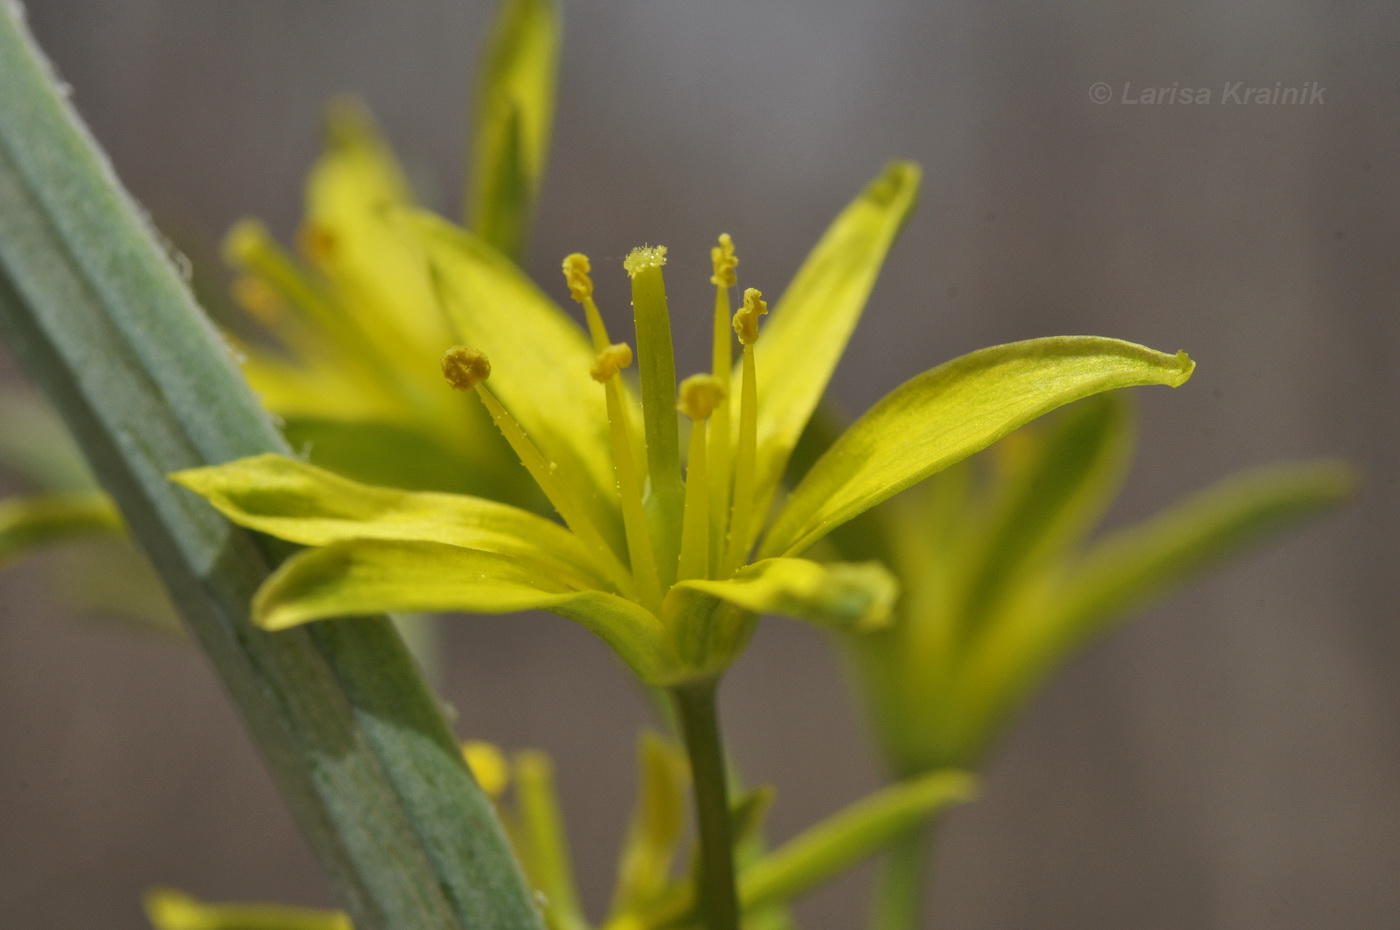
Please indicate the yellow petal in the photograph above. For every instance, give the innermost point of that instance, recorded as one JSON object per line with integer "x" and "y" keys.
{"x": 813, "y": 319}
{"x": 514, "y": 110}
{"x": 292, "y": 500}
{"x": 372, "y": 576}
{"x": 952, "y": 411}
{"x": 354, "y": 192}
{"x": 713, "y": 620}
{"x": 540, "y": 361}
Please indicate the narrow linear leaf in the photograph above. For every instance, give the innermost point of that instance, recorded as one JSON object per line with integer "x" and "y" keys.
{"x": 952, "y": 411}
{"x": 658, "y": 824}
{"x": 514, "y": 113}
{"x": 1130, "y": 568}
{"x": 542, "y": 833}
{"x": 1134, "y": 565}
{"x": 168, "y": 909}
{"x": 97, "y": 312}
{"x": 27, "y": 523}
{"x": 35, "y": 445}
{"x": 811, "y": 323}
{"x": 1048, "y": 502}
{"x": 861, "y": 830}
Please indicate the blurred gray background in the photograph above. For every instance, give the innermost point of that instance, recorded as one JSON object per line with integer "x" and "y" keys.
{"x": 1230, "y": 760}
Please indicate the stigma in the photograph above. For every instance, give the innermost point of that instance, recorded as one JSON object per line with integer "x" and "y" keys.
{"x": 746, "y": 320}
{"x": 644, "y": 257}
{"x": 724, "y": 260}
{"x": 576, "y": 273}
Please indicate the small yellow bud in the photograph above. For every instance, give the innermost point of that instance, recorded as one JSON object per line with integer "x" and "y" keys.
{"x": 260, "y": 300}
{"x": 318, "y": 243}
{"x": 488, "y": 765}
{"x": 247, "y": 240}
{"x": 746, "y": 320}
{"x": 576, "y": 269}
{"x": 724, "y": 260}
{"x": 465, "y": 367}
{"x": 700, "y": 395}
{"x": 644, "y": 257}
{"x": 610, "y": 361}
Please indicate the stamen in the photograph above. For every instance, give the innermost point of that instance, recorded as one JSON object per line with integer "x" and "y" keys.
{"x": 260, "y": 300}
{"x": 657, "y": 367}
{"x": 610, "y": 361}
{"x": 626, "y": 462}
{"x": 629, "y": 481}
{"x": 250, "y": 248}
{"x": 741, "y": 517}
{"x": 699, "y": 396}
{"x": 467, "y": 369}
{"x": 724, "y": 261}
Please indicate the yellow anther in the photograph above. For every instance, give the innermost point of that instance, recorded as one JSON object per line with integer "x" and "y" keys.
{"x": 700, "y": 395}
{"x": 465, "y": 367}
{"x": 746, "y": 320}
{"x": 725, "y": 261}
{"x": 318, "y": 242}
{"x": 259, "y": 298}
{"x": 245, "y": 242}
{"x": 576, "y": 269}
{"x": 644, "y": 257}
{"x": 489, "y": 766}
{"x": 610, "y": 361}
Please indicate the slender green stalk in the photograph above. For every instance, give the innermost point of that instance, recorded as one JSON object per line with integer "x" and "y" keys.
{"x": 719, "y": 900}
{"x": 97, "y": 312}
{"x": 903, "y": 882}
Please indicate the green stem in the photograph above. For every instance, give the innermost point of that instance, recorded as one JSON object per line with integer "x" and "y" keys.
{"x": 718, "y": 898}
{"x": 903, "y": 883}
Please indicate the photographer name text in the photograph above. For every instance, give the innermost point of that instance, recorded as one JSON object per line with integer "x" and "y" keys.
{"x": 1230, "y": 93}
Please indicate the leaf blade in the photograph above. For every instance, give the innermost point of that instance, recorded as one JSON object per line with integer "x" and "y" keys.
{"x": 26, "y": 523}
{"x": 1129, "y": 568}
{"x": 841, "y": 841}
{"x": 97, "y": 312}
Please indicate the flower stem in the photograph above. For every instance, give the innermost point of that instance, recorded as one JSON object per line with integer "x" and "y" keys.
{"x": 717, "y": 897}
{"x": 899, "y": 896}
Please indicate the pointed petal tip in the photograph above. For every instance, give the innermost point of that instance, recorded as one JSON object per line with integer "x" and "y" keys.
{"x": 899, "y": 180}
{"x": 1187, "y": 367}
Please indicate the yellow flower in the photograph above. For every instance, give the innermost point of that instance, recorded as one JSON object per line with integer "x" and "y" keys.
{"x": 669, "y": 565}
